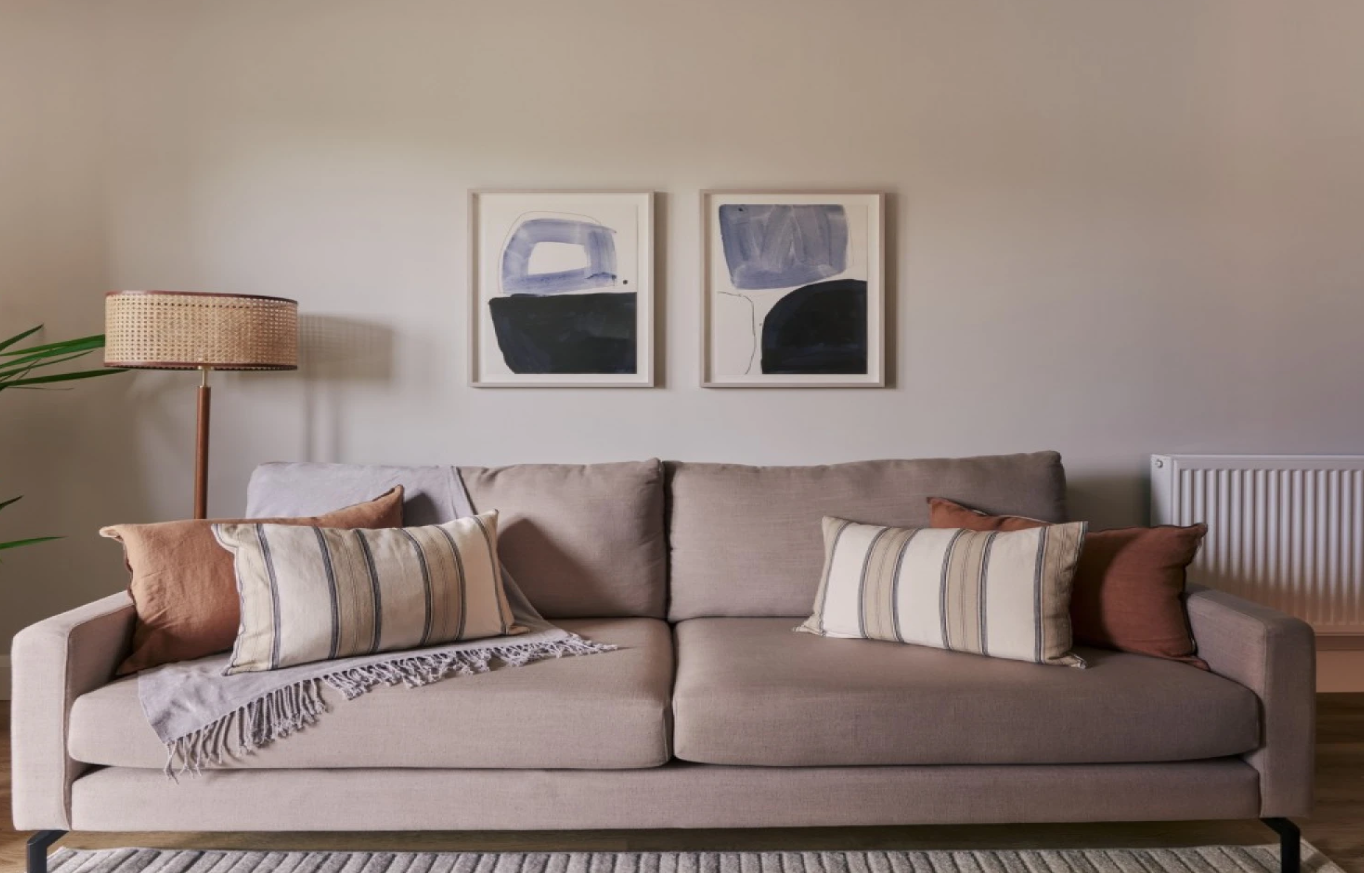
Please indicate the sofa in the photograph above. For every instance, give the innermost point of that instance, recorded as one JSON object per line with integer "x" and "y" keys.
{"x": 712, "y": 714}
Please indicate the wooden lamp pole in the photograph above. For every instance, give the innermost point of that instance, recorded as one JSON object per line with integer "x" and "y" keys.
{"x": 201, "y": 450}
{"x": 193, "y": 330}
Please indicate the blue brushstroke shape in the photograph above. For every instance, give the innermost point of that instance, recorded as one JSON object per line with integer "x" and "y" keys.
{"x": 821, "y": 328}
{"x": 595, "y": 239}
{"x": 780, "y": 246}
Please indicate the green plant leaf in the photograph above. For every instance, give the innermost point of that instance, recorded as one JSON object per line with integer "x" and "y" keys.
{"x": 56, "y": 377}
{"x": 23, "y": 356}
{"x": 15, "y": 366}
{"x": 25, "y": 366}
{"x": 14, "y": 372}
{"x": 14, "y": 544}
{"x": 19, "y": 337}
{"x": 60, "y": 347}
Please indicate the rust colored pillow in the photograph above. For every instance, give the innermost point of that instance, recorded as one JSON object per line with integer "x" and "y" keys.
{"x": 1128, "y": 592}
{"x": 184, "y": 587}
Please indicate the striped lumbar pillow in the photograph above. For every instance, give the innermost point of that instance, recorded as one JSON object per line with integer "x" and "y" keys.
{"x": 1006, "y": 595}
{"x": 315, "y": 593}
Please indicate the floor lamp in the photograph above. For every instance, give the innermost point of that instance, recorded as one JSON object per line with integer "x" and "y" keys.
{"x": 189, "y": 330}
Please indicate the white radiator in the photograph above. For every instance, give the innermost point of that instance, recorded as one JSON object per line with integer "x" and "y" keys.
{"x": 1284, "y": 530}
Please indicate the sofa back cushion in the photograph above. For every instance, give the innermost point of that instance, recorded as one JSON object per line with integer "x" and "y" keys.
{"x": 746, "y": 541}
{"x": 580, "y": 540}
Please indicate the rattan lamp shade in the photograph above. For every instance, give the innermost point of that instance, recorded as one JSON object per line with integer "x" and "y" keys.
{"x": 186, "y": 330}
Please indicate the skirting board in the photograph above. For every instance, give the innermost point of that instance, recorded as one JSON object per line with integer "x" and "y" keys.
{"x": 4, "y": 677}
{"x": 1340, "y": 642}
{"x": 1340, "y": 671}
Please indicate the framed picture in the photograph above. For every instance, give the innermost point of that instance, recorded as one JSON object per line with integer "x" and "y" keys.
{"x": 794, "y": 289}
{"x": 561, "y": 289}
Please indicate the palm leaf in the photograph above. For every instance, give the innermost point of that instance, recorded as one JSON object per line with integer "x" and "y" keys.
{"x": 56, "y": 377}
{"x": 17, "y": 364}
{"x": 20, "y": 366}
{"x": 14, "y": 544}
{"x": 85, "y": 343}
{"x": 19, "y": 337}
{"x": 45, "y": 359}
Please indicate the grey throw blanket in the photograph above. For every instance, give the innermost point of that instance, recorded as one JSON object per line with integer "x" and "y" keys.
{"x": 204, "y": 717}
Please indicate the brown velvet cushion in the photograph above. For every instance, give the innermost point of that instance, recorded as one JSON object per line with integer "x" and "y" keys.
{"x": 1128, "y": 592}
{"x": 183, "y": 584}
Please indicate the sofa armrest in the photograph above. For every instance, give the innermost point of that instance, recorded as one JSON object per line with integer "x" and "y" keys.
{"x": 1273, "y": 655}
{"x": 54, "y": 662}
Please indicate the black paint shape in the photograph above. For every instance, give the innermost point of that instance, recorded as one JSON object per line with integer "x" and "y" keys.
{"x": 568, "y": 333}
{"x": 820, "y": 328}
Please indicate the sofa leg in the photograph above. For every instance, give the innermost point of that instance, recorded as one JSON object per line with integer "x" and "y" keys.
{"x": 1290, "y": 844}
{"x": 37, "y": 849}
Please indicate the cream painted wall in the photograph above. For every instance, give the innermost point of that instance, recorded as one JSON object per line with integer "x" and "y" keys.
{"x": 1116, "y": 228}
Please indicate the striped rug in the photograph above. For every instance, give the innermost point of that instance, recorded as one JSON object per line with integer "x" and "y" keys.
{"x": 1223, "y": 859}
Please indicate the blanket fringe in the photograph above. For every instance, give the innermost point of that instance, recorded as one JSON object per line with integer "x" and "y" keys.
{"x": 243, "y": 731}
{"x": 415, "y": 671}
{"x": 293, "y": 707}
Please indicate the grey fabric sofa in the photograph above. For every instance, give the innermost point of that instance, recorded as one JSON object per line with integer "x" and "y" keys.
{"x": 712, "y": 714}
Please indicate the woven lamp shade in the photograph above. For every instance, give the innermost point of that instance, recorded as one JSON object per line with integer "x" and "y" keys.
{"x": 185, "y": 330}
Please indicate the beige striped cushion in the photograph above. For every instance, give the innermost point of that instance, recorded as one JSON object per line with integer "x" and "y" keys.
{"x": 315, "y": 593}
{"x": 1006, "y": 595}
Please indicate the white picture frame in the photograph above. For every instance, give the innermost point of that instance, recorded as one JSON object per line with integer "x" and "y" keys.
{"x": 784, "y": 252}
{"x": 561, "y": 289}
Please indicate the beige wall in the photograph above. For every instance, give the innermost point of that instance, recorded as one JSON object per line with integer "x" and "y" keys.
{"x": 1117, "y": 228}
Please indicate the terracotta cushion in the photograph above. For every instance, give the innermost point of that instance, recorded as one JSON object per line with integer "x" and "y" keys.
{"x": 1128, "y": 592}
{"x": 183, "y": 584}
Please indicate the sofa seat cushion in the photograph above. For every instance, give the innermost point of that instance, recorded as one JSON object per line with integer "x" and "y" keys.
{"x": 604, "y": 711}
{"x": 751, "y": 692}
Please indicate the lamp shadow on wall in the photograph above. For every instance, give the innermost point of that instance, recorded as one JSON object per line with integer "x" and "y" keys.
{"x": 336, "y": 354}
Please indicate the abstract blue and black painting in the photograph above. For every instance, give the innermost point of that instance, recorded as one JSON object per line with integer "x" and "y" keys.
{"x": 557, "y": 315}
{"x": 791, "y": 290}
{"x": 561, "y": 291}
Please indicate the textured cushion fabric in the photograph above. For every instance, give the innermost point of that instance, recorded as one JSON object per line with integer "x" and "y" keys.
{"x": 746, "y": 540}
{"x": 750, "y": 692}
{"x": 182, "y": 582}
{"x": 580, "y": 540}
{"x": 315, "y": 594}
{"x": 1005, "y": 595}
{"x": 1128, "y": 592}
{"x": 607, "y": 711}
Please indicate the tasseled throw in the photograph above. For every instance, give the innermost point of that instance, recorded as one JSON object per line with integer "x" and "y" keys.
{"x": 292, "y": 708}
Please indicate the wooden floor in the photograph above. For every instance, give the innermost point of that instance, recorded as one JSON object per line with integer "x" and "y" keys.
{"x": 1337, "y": 827}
